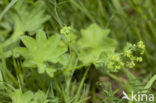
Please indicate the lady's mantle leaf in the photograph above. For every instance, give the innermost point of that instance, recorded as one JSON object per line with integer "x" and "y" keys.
{"x": 28, "y": 97}
{"x": 28, "y": 18}
{"x": 94, "y": 42}
{"x": 41, "y": 51}
{"x": 23, "y": 17}
{"x": 18, "y": 97}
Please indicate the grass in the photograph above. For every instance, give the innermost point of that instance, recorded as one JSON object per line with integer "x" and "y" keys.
{"x": 128, "y": 21}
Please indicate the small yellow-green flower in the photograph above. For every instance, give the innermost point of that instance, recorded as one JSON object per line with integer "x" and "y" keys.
{"x": 130, "y": 64}
{"x": 66, "y": 30}
{"x": 128, "y": 53}
{"x": 139, "y": 59}
{"x": 141, "y": 45}
{"x": 68, "y": 34}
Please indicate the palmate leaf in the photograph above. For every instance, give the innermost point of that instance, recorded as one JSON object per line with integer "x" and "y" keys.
{"x": 93, "y": 43}
{"x": 28, "y": 97}
{"x": 25, "y": 18}
{"x": 17, "y": 96}
{"x": 41, "y": 51}
{"x": 28, "y": 18}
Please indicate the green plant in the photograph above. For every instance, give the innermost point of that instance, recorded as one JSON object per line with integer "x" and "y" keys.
{"x": 41, "y": 52}
{"x": 43, "y": 60}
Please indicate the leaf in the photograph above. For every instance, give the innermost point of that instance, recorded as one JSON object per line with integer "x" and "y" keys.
{"x": 93, "y": 43}
{"x": 29, "y": 42}
{"x": 28, "y": 97}
{"x": 22, "y": 51}
{"x": 18, "y": 97}
{"x": 40, "y": 97}
{"x": 41, "y": 51}
{"x": 22, "y": 18}
{"x": 28, "y": 18}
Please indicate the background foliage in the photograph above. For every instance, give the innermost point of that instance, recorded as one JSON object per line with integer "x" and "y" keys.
{"x": 60, "y": 51}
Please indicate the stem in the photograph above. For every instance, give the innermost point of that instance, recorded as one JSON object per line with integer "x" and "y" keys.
{"x": 7, "y": 8}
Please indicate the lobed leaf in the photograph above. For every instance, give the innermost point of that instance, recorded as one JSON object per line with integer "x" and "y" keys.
{"x": 41, "y": 51}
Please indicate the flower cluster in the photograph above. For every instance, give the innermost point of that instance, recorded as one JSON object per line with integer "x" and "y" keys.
{"x": 116, "y": 63}
{"x": 141, "y": 47}
{"x": 68, "y": 33}
{"x": 66, "y": 30}
{"x": 132, "y": 53}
